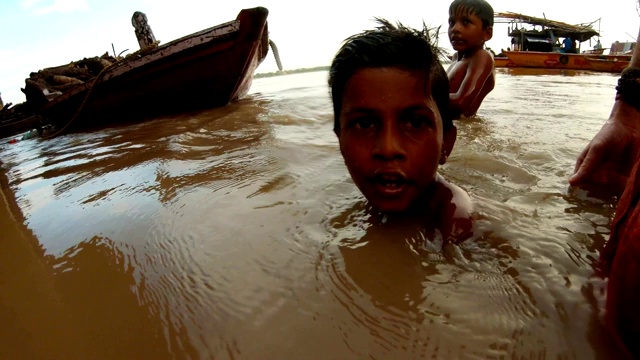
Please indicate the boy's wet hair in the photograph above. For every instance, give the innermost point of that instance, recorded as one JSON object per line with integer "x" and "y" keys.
{"x": 391, "y": 45}
{"x": 480, "y": 8}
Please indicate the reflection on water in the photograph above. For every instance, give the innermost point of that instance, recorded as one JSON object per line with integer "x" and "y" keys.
{"x": 237, "y": 233}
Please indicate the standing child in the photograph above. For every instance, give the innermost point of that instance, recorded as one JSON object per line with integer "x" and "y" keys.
{"x": 391, "y": 115}
{"x": 471, "y": 73}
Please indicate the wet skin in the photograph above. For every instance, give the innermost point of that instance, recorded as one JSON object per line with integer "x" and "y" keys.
{"x": 471, "y": 75}
{"x": 392, "y": 140}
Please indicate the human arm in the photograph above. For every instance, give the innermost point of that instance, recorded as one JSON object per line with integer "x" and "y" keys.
{"x": 478, "y": 71}
{"x": 609, "y": 157}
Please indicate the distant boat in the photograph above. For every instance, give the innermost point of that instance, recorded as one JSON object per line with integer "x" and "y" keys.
{"x": 608, "y": 64}
{"x": 205, "y": 69}
{"x": 503, "y": 61}
{"x": 540, "y": 48}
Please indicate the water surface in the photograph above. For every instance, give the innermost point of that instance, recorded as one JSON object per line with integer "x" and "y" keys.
{"x": 236, "y": 233}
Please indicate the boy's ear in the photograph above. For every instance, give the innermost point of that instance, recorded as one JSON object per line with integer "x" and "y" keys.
{"x": 448, "y": 140}
{"x": 488, "y": 33}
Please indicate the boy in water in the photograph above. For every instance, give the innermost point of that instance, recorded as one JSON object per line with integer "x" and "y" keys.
{"x": 391, "y": 115}
{"x": 471, "y": 74}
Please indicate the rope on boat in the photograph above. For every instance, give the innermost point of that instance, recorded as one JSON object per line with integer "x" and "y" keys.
{"x": 84, "y": 101}
{"x": 276, "y": 54}
{"x": 120, "y": 62}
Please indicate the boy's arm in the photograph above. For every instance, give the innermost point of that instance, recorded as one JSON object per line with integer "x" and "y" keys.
{"x": 478, "y": 71}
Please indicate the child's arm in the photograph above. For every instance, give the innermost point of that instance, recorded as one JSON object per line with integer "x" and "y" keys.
{"x": 478, "y": 71}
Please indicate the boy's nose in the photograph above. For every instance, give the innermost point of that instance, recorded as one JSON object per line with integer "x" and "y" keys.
{"x": 389, "y": 145}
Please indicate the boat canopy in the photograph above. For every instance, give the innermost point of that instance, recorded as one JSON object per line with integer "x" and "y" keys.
{"x": 550, "y": 29}
{"x": 540, "y": 40}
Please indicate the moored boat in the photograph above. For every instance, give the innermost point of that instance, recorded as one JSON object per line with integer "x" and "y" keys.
{"x": 541, "y": 47}
{"x": 553, "y": 60}
{"x": 12, "y": 124}
{"x": 503, "y": 61}
{"x": 205, "y": 69}
{"x": 608, "y": 64}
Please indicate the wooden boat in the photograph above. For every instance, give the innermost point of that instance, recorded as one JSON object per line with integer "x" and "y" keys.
{"x": 540, "y": 48}
{"x": 19, "y": 124}
{"x": 554, "y": 60}
{"x": 503, "y": 61}
{"x": 17, "y": 119}
{"x": 614, "y": 65}
{"x": 205, "y": 69}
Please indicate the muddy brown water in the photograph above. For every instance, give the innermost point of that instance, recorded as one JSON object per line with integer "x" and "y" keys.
{"x": 236, "y": 233}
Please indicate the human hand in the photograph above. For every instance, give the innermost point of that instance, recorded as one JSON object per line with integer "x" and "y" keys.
{"x": 609, "y": 158}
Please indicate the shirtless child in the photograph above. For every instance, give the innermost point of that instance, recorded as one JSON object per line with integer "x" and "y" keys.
{"x": 391, "y": 115}
{"x": 471, "y": 74}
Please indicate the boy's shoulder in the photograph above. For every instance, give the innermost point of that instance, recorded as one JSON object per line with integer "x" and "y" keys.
{"x": 454, "y": 194}
{"x": 483, "y": 54}
{"x": 455, "y": 205}
{"x": 480, "y": 54}
{"x": 481, "y": 59}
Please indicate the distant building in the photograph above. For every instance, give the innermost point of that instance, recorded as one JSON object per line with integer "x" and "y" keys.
{"x": 621, "y": 47}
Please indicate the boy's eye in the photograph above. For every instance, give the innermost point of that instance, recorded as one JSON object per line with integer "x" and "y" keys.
{"x": 417, "y": 121}
{"x": 362, "y": 123}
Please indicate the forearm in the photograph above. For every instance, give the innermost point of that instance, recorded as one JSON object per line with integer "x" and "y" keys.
{"x": 455, "y": 100}
{"x": 625, "y": 114}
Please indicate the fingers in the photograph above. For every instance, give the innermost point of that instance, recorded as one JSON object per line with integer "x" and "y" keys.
{"x": 586, "y": 163}
{"x": 581, "y": 157}
{"x": 604, "y": 185}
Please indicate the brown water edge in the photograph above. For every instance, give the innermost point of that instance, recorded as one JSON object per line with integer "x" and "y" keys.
{"x": 89, "y": 311}
{"x": 84, "y": 303}
{"x": 90, "y": 303}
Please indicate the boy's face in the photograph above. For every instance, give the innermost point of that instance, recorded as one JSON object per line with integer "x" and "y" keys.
{"x": 466, "y": 31}
{"x": 391, "y": 136}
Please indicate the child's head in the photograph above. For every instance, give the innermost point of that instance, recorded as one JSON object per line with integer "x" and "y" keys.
{"x": 479, "y": 8}
{"x": 470, "y": 24}
{"x": 391, "y": 46}
{"x": 391, "y": 113}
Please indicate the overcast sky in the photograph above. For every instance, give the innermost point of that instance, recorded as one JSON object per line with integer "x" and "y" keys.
{"x": 44, "y": 33}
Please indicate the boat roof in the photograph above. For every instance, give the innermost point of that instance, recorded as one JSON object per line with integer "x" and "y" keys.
{"x": 580, "y": 32}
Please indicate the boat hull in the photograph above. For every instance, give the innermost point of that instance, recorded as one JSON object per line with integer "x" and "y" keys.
{"x": 19, "y": 125}
{"x": 206, "y": 69}
{"x": 608, "y": 65}
{"x": 554, "y": 60}
{"x": 503, "y": 61}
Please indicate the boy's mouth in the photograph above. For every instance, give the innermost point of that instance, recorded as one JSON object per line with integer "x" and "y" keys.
{"x": 456, "y": 41}
{"x": 390, "y": 183}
